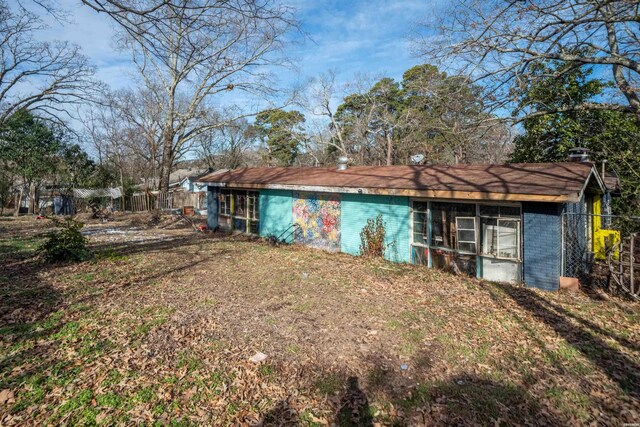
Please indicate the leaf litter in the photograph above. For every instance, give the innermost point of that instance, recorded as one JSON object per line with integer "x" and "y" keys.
{"x": 164, "y": 330}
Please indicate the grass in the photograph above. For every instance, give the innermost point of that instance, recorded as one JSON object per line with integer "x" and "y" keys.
{"x": 17, "y": 246}
{"x": 162, "y": 334}
{"x": 329, "y": 385}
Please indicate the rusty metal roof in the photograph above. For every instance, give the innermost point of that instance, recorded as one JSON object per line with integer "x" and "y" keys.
{"x": 517, "y": 181}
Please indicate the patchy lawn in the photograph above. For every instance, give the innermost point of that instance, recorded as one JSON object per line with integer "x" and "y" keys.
{"x": 160, "y": 327}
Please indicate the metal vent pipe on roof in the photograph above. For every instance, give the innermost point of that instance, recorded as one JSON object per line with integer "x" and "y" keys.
{"x": 343, "y": 161}
{"x": 578, "y": 154}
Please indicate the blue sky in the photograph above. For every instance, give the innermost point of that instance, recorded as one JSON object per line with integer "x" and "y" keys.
{"x": 350, "y": 37}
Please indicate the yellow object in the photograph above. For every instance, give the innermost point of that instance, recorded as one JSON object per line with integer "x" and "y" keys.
{"x": 603, "y": 240}
{"x": 597, "y": 212}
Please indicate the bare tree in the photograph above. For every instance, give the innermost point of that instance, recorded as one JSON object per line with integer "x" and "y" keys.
{"x": 429, "y": 115}
{"x": 44, "y": 78}
{"x": 499, "y": 42}
{"x": 190, "y": 54}
{"x": 140, "y": 114}
{"x": 323, "y": 92}
{"x": 226, "y": 147}
{"x": 124, "y": 130}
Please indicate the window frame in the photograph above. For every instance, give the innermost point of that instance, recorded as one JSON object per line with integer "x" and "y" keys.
{"x": 225, "y": 198}
{"x": 478, "y": 228}
{"x": 427, "y": 221}
{"x": 517, "y": 238}
{"x": 475, "y": 235}
{"x": 253, "y": 205}
{"x": 228, "y": 208}
{"x": 500, "y": 217}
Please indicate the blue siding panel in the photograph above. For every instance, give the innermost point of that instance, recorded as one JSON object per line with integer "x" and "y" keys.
{"x": 542, "y": 241}
{"x": 212, "y": 207}
{"x": 276, "y": 212}
{"x": 357, "y": 208}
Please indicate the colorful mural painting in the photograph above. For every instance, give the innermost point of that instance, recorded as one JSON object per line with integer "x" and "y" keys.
{"x": 318, "y": 218}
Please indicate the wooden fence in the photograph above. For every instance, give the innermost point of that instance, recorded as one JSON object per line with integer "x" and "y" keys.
{"x": 623, "y": 265}
{"x": 175, "y": 200}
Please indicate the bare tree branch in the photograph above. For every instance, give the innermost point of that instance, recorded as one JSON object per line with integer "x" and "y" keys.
{"x": 500, "y": 42}
{"x": 36, "y": 75}
{"x": 189, "y": 53}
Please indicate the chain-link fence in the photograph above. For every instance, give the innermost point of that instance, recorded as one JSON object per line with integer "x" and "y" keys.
{"x": 602, "y": 251}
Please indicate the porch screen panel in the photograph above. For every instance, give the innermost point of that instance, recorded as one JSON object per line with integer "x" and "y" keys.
{"x": 443, "y": 234}
{"x": 500, "y": 243}
{"x": 466, "y": 229}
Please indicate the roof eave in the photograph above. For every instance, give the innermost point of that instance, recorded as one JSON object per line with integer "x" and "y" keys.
{"x": 599, "y": 180}
{"x": 426, "y": 193}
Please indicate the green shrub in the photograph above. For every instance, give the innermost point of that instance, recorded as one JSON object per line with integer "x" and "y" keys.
{"x": 66, "y": 243}
{"x": 372, "y": 237}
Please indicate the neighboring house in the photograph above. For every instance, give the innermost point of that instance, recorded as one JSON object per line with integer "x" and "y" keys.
{"x": 190, "y": 183}
{"x": 498, "y": 222}
{"x": 63, "y": 199}
{"x": 179, "y": 179}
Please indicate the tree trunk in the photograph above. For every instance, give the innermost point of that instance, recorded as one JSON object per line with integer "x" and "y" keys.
{"x": 167, "y": 161}
{"x": 122, "y": 202}
{"x": 32, "y": 198}
{"x": 627, "y": 89}
{"x": 389, "y": 149}
{"x": 19, "y": 201}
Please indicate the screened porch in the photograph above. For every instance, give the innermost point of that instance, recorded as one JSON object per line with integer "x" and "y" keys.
{"x": 480, "y": 240}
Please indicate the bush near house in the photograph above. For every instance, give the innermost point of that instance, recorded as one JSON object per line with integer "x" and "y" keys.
{"x": 372, "y": 237}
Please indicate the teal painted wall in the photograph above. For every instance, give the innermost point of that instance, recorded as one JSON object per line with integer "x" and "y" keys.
{"x": 276, "y": 212}
{"x": 276, "y": 215}
{"x": 357, "y": 208}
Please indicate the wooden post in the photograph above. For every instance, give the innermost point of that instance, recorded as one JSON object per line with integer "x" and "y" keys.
{"x": 213, "y": 209}
{"x": 233, "y": 210}
{"x": 621, "y": 267}
{"x": 631, "y": 262}
{"x": 248, "y": 226}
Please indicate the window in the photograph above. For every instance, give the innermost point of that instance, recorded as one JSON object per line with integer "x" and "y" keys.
{"x": 240, "y": 205}
{"x": 499, "y": 211}
{"x": 239, "y": 209}
{"x": 508, "y": 238}
{"x": 468, "y": 238}
{"x": 500, "y": 237}
{"x": 420, "y": 223}
{"x": 444, "y": 224}
{"x": 252, "y": 202}
{"x": 225, "y": 202}
{"x": 466, "y": 229}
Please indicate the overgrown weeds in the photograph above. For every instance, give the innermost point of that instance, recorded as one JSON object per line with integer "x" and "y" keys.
{"x": 372, "y": 237}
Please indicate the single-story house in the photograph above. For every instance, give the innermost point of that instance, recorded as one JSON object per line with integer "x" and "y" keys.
{"x": 190, "y": 183}
{"x": 498, "y": 222}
